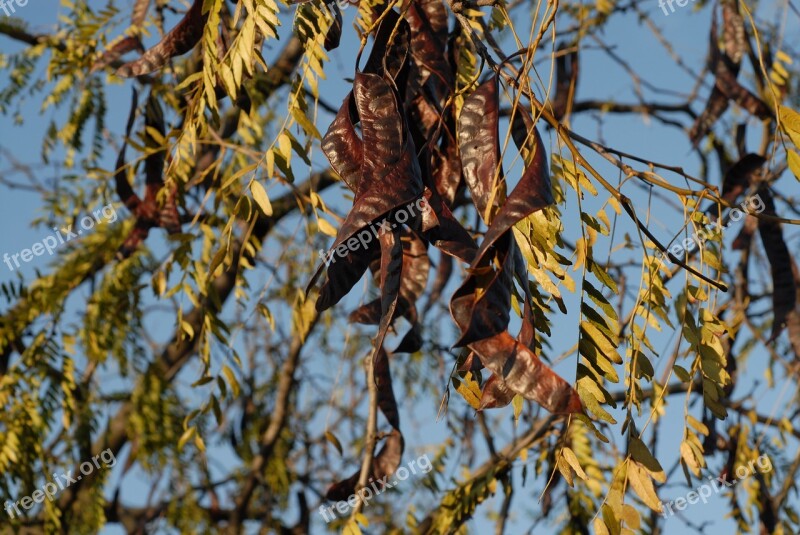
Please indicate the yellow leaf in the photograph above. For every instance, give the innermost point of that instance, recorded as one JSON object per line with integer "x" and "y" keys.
{"x": 238, "y": 174}
{"x": 631, "y": 516}
{"x": 793, "y": 159}
{"x": 326, "y": 228}
{"x": 187, "y": 328}
{"x": 270, "y": 156}
{"x": 330, "y": 437}
{"x": 517, "y": 403}
{"x": 698, "y": 426}
{"x": 790, "y": 122}
{"x": 572, "y": 460}
{"x": 687, "y": 454}
{"x": 232, "y": 381}
{"x": 187, "y": 435}
{"x": 782, "y": 56}
{"x": 564, "y": 468}
{"x": 600, "y": 527}
{"x": 228, "y": 80}
{"x": 469, "y": 390}
{"x": 160, "y": 283}
{"x": 362, "y": 520}
{"x": 285, "y": 146}
{"x": 643, "y": 486}
{"x": 261, "y": 198}
{"x": 351, "y": 529}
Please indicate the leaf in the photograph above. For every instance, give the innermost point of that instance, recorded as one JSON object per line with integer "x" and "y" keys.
{"x": 285, "y": 146}
{"x": 232, "y": 381}
{"x": 793, "y": 160}
{"x": 641, "y": 454}
{"x": 608, "y": 348}
{"x": 334, "y": 34}
{"x": 643, "y": 486}
{"x": 351, "y": 528}
{"x": 330, "y": 437}
{"x": 697, "y": 425}
{"x": 469, "y": 389}
{"x": 186, "y": 436}
{"x": 261, "y": 197}
{"x": 564, "y": 470}
{"x": 239, "y": 174}
{"x": 689, "y": 458}
{"x": 572, "y": 460}
{"x": 790, "y": 123}
{"x": 600, "y": 527}
{"x": 518, "y": 403}
{"x": 326, "y": 228}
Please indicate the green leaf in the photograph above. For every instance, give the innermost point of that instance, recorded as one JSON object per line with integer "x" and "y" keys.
{"x": 641, "y": 454}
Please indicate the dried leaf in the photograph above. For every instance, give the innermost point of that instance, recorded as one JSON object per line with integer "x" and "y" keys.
{"x": 181, "y": 39}
{"x": 495, "y": 394}
{"x": 480, "y": 149}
